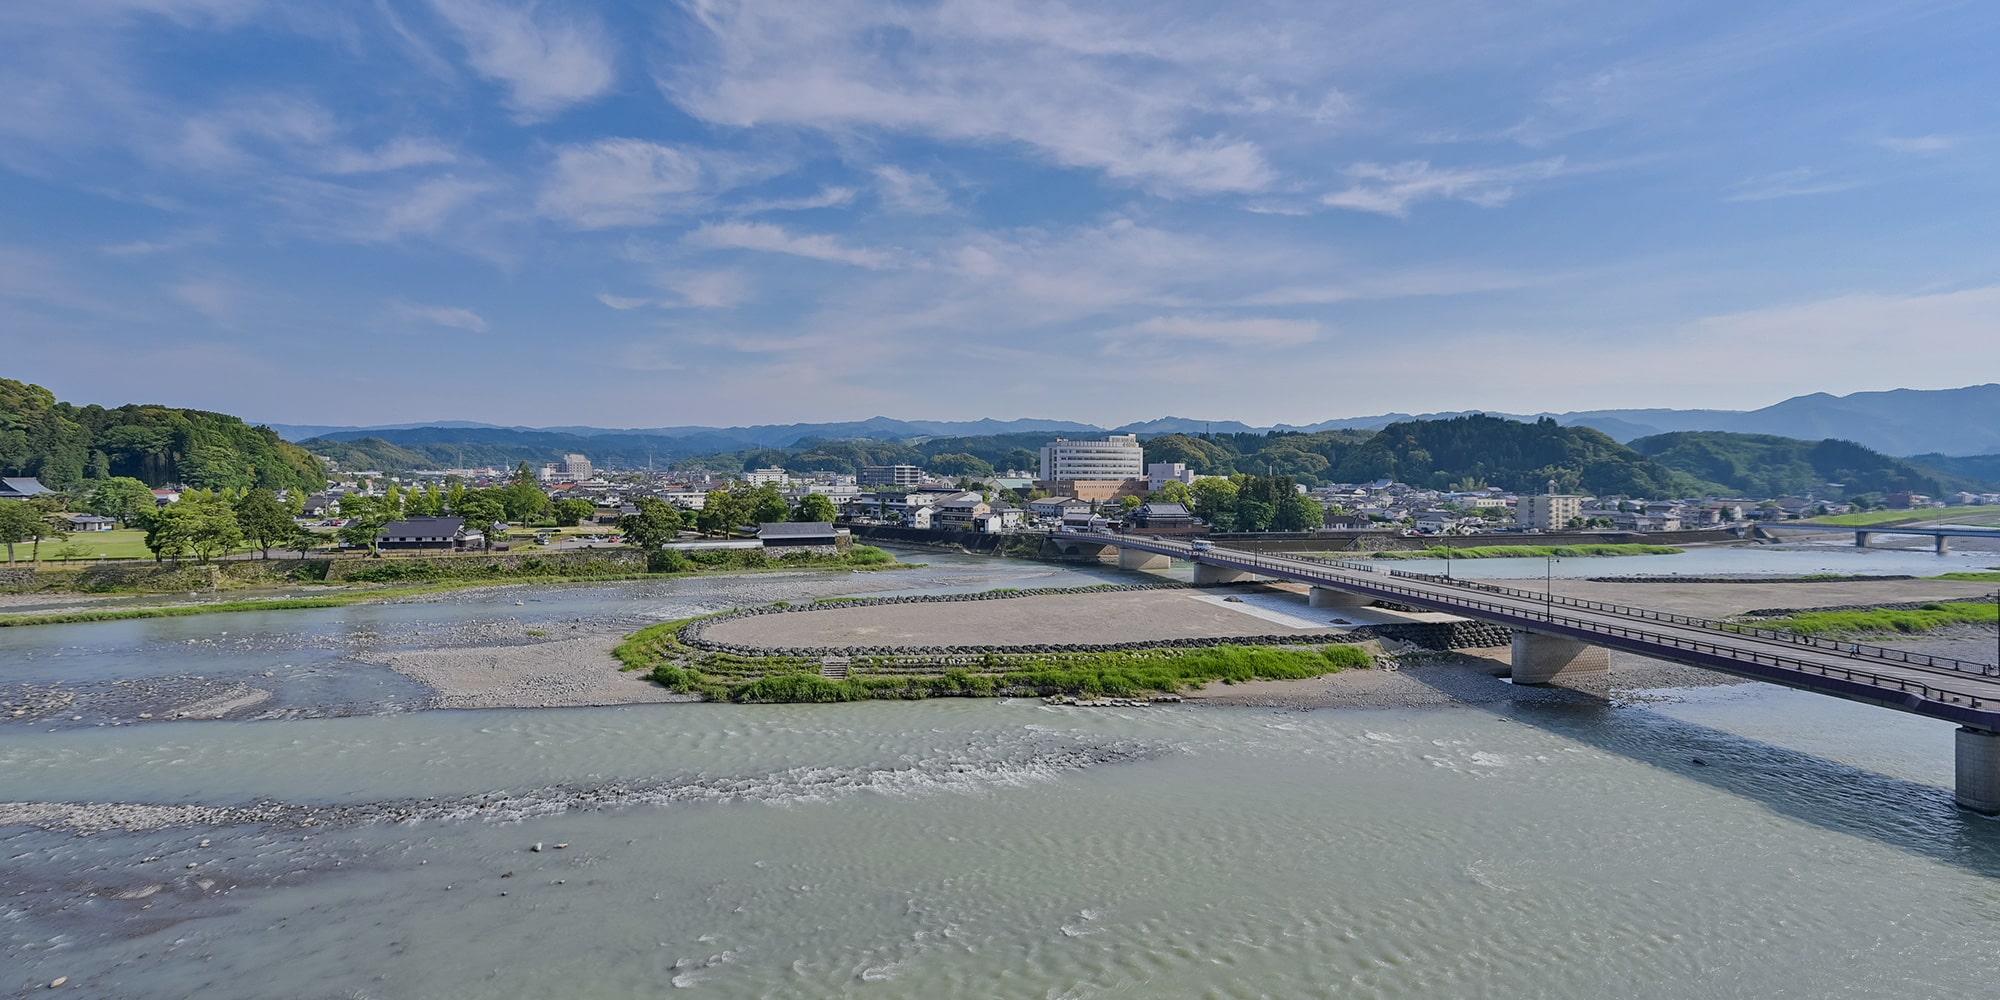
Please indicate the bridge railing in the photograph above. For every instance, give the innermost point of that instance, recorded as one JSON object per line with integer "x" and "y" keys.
{"x": 1855, "y": 650}
{"x": 1858, "y": 649}
{"x": 1928, "y": 691}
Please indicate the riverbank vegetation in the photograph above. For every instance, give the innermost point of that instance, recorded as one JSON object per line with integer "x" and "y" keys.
{"x": 1528, "y": 551}
{"x": 419, "y": 577}
{"x": 1887, "y": 621}
{"x": 760, "y": 680}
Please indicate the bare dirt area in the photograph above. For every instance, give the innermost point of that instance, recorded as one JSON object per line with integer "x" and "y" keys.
{"x": 1126, "y": 616}
{"x": 556, "y": 674}
{"x": 1426, "y": 679}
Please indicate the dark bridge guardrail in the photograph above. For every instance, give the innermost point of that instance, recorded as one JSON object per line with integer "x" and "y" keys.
{"x": 1718, "y": 650}
{"x": 1292, "y": 566}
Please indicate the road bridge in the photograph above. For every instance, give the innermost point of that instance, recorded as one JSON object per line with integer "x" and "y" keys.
{"x": 1863, "y": 533}
{"x": 1557, "y": 638}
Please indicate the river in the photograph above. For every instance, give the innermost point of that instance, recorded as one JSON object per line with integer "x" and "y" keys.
{"x": 1741, "y": 841}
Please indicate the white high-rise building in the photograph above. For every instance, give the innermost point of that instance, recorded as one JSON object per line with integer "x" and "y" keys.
{"x": 1116, "y": 457}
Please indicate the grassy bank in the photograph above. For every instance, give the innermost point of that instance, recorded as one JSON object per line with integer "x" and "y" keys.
{"x": 420, "y": 581}
{"x": 1974, "y": 576}
{"x": 1870, "y": 518}
{"x": 1529, "y": 551}
{"x": 763, "y": 680}
{"x": 1886, "y": 621}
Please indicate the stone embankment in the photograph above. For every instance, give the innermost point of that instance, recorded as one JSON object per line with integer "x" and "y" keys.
{"x": 1428, "y": 635}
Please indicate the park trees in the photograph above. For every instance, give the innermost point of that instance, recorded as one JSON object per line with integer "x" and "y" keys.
{"x": 483, "y": 512}
{"x": 570, "y": 512}
{"x": 365, "y": 517}
{"x": 14, "y": 523}
{"x": 201, "y": 523}
{"x": 264, "y": 519}
{"x": 1298, "y": 512}
{"x": 815, "y": 507}
{"x": 122, "y": 498}
{"x": 657, "y": 523}
{"x": 1215, "y": 502}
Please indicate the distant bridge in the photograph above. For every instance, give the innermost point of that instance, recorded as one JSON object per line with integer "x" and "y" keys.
{"x": 1862, "y": 534}
{"x": 1556, "y": 637}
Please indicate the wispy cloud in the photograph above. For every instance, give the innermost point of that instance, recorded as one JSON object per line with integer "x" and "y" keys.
{"x": 619, "y": 182}
{"x": 453, "y": 317}
{"x": 397, "y": 154}
{"x": 1248, "y": 331}
{"x": 169, "y": 244}
{"x": 215, "y": 300}
{"x": 1391, "y": 188}
{"x": 1085, "y": 89}
{"x": 828, "y": 197}
{"x": 1921, "y": 144}
{"x": 1795, "y": 183}
{"x": 776, "y": 239}
{"x": 910, "y": 191}
{"x": 548, "y": 60}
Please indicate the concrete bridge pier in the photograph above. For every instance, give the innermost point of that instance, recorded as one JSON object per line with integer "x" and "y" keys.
{"x": 1142, "y": 559}
{"x": 1861, "y": 539}
{"x": 1943, "y": 545}
{"x": 1206, "y": 575}
{"x": 1979, "y": 770}
{"x": 1540, "y": 659}
{"x": 1327, "y": 597}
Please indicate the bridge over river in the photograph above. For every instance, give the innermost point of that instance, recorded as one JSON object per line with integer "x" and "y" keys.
{"x": 1557, "y": 638}
{"x": 1939, "y": 533}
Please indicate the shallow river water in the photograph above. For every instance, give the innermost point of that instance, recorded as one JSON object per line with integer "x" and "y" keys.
{"x": 1742, "y": 841}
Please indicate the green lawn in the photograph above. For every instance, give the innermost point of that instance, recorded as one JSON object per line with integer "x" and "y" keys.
{"x": 1870, "y": 518}
{"x": 118, "y": 543}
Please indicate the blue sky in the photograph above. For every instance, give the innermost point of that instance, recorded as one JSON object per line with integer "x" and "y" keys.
{"x": 722, "y": 213}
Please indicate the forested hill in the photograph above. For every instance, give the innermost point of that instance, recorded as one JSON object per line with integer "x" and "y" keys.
{"x": 64, "y": 445}
{"x": 1766, "y": 465}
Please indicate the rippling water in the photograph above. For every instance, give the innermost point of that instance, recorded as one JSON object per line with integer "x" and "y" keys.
{"x": 990, "y": 848}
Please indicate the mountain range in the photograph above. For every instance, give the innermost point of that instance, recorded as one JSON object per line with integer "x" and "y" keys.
{"x": 1957, "y": 422}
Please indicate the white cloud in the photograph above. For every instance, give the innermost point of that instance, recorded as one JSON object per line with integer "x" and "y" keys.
{"x": 776, "y": 239}
{"x": 454, "y": 317}
{"x": 707, "y": 289}
{"x": 829, "y": 197}
{"x": 397, "y": 154}
{"x": 909, "y": 191}
{"x": 547, "y": 61}
{"x": 620, "y": 182}
{"x": 1391, "y": 188}
{"x": 1921, "y": 144}
{"x": 213, "y": 299}
{"x": 622, "y": 303}
{"x": 170, "y": 244}
{"x": 1249, "y": 331}
{"x": 1795, "y": 183}
{"x": 1131, "y": 96}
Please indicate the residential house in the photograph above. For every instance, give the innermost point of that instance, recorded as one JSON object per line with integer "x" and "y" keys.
{"x": 960, "y": 512}
{"x": 1161, "y": 517}
{"x": 90, "y": 522}
{"x": 1056, "y": 508}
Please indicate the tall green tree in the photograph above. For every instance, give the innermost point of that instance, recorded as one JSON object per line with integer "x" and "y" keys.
{"x": 1215, "y": 502}
{"x": 170, "y": 532}
{"x": 657, "y": 523}
{"x": 570, "y": 511}
{"x": 122, "y": 497}
{"x": 1298, "y": 512}
{"x": 213, "y": 528}
{"x": 483, "y": 513}
{"x": 16, "y": 517}
{"x": 364, "y": 517}
{"x": 263, "y": 519}
{"x": 815, "y": 507}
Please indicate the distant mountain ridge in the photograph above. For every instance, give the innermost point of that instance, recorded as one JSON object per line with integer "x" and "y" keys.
{"x": 1964, "y": 421}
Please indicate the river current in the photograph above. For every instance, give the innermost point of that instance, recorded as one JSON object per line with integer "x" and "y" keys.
{"x": 1742, "y": 841}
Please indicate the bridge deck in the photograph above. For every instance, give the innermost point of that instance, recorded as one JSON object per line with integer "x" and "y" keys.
{"x": 1953, "y": 690}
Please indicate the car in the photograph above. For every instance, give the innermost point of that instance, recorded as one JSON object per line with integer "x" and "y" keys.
{"x": 1200, "y": 546}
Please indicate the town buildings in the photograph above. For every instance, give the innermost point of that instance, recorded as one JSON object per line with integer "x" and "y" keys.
{"x": 1116, "y": 457}
{"x": 889, "y": 475}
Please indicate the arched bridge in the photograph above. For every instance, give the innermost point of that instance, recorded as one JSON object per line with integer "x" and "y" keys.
{"x": 1556, "y": 637}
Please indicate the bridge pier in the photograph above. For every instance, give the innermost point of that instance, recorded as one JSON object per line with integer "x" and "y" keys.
{"x": 1327, "y": 597}
{"x": 1540, "y": 659}
{"x": 1861, "y": 539}
{"x": 1206, "y": 575}
{"x": 1943, "y": 546}
{"x": 1142, "y": 559}
{"x": 1979, "y": 770}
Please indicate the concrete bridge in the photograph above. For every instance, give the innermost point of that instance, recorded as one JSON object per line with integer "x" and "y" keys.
{"x": 1558, "y": 638}
{"x": 1862, "y": 534}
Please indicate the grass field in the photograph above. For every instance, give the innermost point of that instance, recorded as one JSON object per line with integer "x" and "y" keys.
{"x": 1869, "y": 518}
{"x": 1885, "y": 621}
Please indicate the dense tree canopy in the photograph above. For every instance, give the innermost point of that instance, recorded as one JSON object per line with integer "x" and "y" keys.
{"x": 67, "y": 446}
